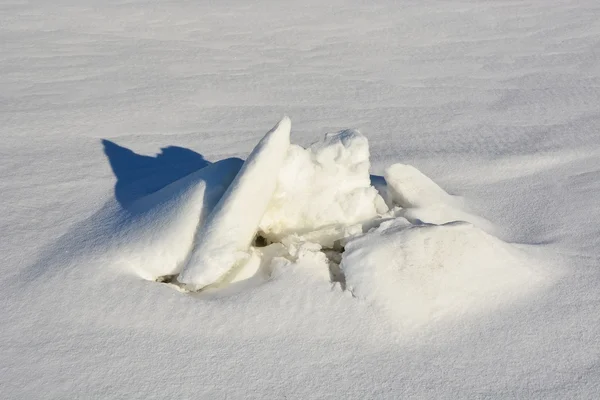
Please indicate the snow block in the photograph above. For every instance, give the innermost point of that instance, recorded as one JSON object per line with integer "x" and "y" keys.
{"x": 323, "y": 190}
{"x": 223, "y": 242}
{"x": 158, "y": 231}
{"x": 425, "y": 202}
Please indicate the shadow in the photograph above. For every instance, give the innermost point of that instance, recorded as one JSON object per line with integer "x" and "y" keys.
{"x": 379, "y": 183}
{"x": 377, "y": 180}
{"x": 138, "y": 175}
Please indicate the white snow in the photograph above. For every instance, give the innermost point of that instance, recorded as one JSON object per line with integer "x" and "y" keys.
{"x": 423, "y": 201}
{"x": 158, "y": 230}
{"x": 323, "y": 190}
{"x": 494, "y": 101}
{"x": 409, "y": 188}
{"x": 223, "y": 242}
{"x": 421, "y": 273}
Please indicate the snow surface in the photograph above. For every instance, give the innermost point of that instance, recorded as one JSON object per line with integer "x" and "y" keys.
{"x": 105, "y": 103}
{"x": 421, "y": 273}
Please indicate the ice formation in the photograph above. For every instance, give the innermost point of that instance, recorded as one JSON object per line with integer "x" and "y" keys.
{"x": 415, "y": 252}
{"x": 423, "y": 201}
{"x": 410, "y": 188}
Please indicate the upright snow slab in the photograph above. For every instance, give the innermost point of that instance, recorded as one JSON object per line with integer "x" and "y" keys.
{"x": 224, "y": 240}
{"x": 323, "y": 190}
{"x": 157, "y": 234}
{"x": 411, "y": 188}
{"x": 424, "y": 272}
{"x": 424, "y": 201}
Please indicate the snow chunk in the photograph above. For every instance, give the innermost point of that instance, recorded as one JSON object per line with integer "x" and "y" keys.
{"x": 224, "y": 240}
{"x": 424, "y": 201}
{"x": 410, "y": 188}
{"x": 323, "y": 190}
{"x": 157, "y": 233}
{"x": 419, "y": 273}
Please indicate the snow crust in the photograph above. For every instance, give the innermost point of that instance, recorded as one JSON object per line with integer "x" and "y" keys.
{"x": 224, "y": 239}
{"x": 418, "y": 261}
{"x": 411, "y": 189}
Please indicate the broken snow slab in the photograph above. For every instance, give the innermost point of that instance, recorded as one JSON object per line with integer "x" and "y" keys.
{"x": 223, "y": 242}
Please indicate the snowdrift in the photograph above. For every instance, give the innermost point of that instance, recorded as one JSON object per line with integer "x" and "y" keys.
{"x": 415, "y": 253}
{"x": 423, "y": 272}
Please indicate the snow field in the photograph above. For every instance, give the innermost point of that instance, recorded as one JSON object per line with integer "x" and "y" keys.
{"x": 496, "y": 101}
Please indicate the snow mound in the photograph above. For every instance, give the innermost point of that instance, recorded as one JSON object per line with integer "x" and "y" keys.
{"x": 323, "y": 190}
{"x": 224, "y": 241}
{"x": 425, "y": 272}
{"x": 228, "y": 228}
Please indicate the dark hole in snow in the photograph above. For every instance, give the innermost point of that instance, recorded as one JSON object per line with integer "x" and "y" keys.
{"x": 335, "y": 272}
{"x": 166, "y": 278}
{"x": 260, "y": 241}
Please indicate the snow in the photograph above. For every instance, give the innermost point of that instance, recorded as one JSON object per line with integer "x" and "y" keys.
{"x": 323, "y": 190}
{"x": 423, "y": 201}
{"x": 107, "y": 105}
{"x": 223, "y": 242}
{"x": 158, "y": 230}
{"x": 423, "y": 273}
{"x": 411, "y": 189}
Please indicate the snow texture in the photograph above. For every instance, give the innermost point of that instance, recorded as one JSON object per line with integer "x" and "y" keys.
{"x": 411, "y": 189}
{"x": 223, "y": 241}
{"x": 323, "y": 190}
{"x": 419, "y": 273}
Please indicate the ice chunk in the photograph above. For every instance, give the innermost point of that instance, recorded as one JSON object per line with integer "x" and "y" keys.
{"x": 224, "y": 240}
{"x": 323, "y": 189}
{"x": 157, "y": 234}
{"x": 418, "y": 273}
